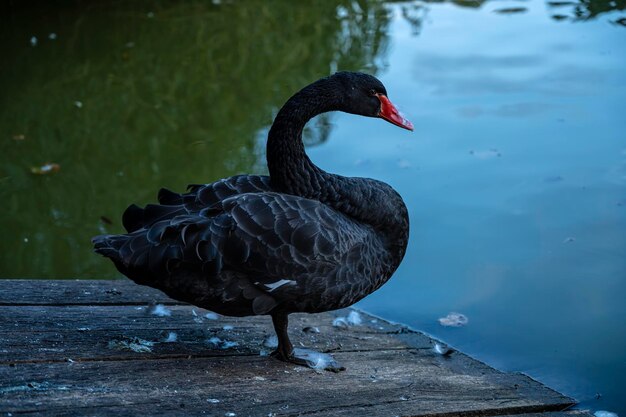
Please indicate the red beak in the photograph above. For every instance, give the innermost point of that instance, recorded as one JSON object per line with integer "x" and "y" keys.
{"x": 389, "y": 112}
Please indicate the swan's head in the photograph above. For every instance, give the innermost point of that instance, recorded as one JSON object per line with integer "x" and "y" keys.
{"x": 365, "y": 95}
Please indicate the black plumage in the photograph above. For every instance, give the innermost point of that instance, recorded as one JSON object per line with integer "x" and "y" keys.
{"x": 298, "y": 240}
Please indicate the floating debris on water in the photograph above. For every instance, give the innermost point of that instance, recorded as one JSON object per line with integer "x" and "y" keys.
{"x": 106, "y": 220}
{"x": 553, "y": 178}
{"x": 271, "y": 341}
{"x": 259, "y": 378}
{"x": 134, "y": 344}
{"x": 47, "y": 168}
{"x": 353, "y": 319}
{"x": 311, "y": 329}
{"x": 33, "y": 41}
{"x": 222, "y": 344}
{"x": 228, "y": 327}
{"x": 161, "y": 311}
{"x": 569, "y": 240}
{"x": 511, "y": 10}
{"x": 490, "y": 153}
{"x": 19, "y": 136}
{"x": 454, "y": 320}
{"x": 404, "y": 164}
{"x": 230, "y": 414}
{"x": 213, "y": 400}
{"x": 78, "y": 104}
{"x": 52, "y": 36}
{"x": 83, "y": 329}
{"x": 171, "y": 337}
{"x": 150, "y": 15}
{"x": 443, "y": 349}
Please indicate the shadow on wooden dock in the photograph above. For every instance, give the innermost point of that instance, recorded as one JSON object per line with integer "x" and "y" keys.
{"x": 97, "y": 348}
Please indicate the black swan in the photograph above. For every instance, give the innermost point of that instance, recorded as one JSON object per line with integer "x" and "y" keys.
{"x": 298, "y": 240}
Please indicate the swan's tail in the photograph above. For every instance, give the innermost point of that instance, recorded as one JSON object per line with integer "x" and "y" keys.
{"x": 118, "y": 249}
{"x": 109, "y": 246}
{"x": 135, "y": 217}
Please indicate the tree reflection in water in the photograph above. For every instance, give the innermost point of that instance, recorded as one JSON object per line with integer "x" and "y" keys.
{"x": 170, "y": 94}
{"x": 415, "y": 12}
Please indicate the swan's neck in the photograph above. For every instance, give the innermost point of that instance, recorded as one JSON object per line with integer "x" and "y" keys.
{"x": 292, "y": 172}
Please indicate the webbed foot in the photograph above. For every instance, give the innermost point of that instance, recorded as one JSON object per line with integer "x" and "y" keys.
{"x": 309, "y": 358}
{"x": 304, "y": 357}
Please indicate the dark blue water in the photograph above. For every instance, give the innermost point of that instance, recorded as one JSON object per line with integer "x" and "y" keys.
{"x": 515, "y": 176}
{"x": 516, "y": 182}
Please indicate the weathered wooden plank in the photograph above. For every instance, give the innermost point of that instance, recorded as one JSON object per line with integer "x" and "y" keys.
{"x": 408, "y": 382}
{"x": 51, "y": 318}
{"x": 57, "y": 333}
{"x": 69, "y": 352}
{"x": 78, "y": 292}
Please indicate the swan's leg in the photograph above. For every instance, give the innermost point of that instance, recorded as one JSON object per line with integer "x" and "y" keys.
{"x": 305, "y": 357}
{"x": 284, "y": 351}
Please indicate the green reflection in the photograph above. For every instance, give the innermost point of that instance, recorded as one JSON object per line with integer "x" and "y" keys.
{"x": 128, "y": 98}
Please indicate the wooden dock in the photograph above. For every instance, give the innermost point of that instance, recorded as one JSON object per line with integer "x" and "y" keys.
{"x": 96, "y": 348}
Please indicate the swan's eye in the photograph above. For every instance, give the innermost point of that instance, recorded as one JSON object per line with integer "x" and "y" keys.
{"x": 373, "y": 92}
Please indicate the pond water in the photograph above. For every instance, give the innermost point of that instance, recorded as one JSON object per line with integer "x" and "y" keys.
{"x": 515, "y": 176}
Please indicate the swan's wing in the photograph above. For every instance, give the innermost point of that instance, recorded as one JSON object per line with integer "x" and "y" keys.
{"x": 205, "y": 195}
{"x": 196, "y": 198}
{"x": 269, "y": 238}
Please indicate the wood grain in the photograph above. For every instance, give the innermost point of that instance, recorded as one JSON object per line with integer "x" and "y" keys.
{"x": 76, "y": 359}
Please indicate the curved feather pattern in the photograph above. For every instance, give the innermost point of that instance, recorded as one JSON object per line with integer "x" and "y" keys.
{"x": 168, "y": 197}
{"x": 253, "y": 239}
{"x": 198, "y": 197}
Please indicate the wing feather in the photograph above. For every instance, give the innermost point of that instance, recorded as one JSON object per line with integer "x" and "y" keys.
{"x": 197, "y": 198}
{"x": 241, "y": 245}
{"x": 271, "y": 235}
